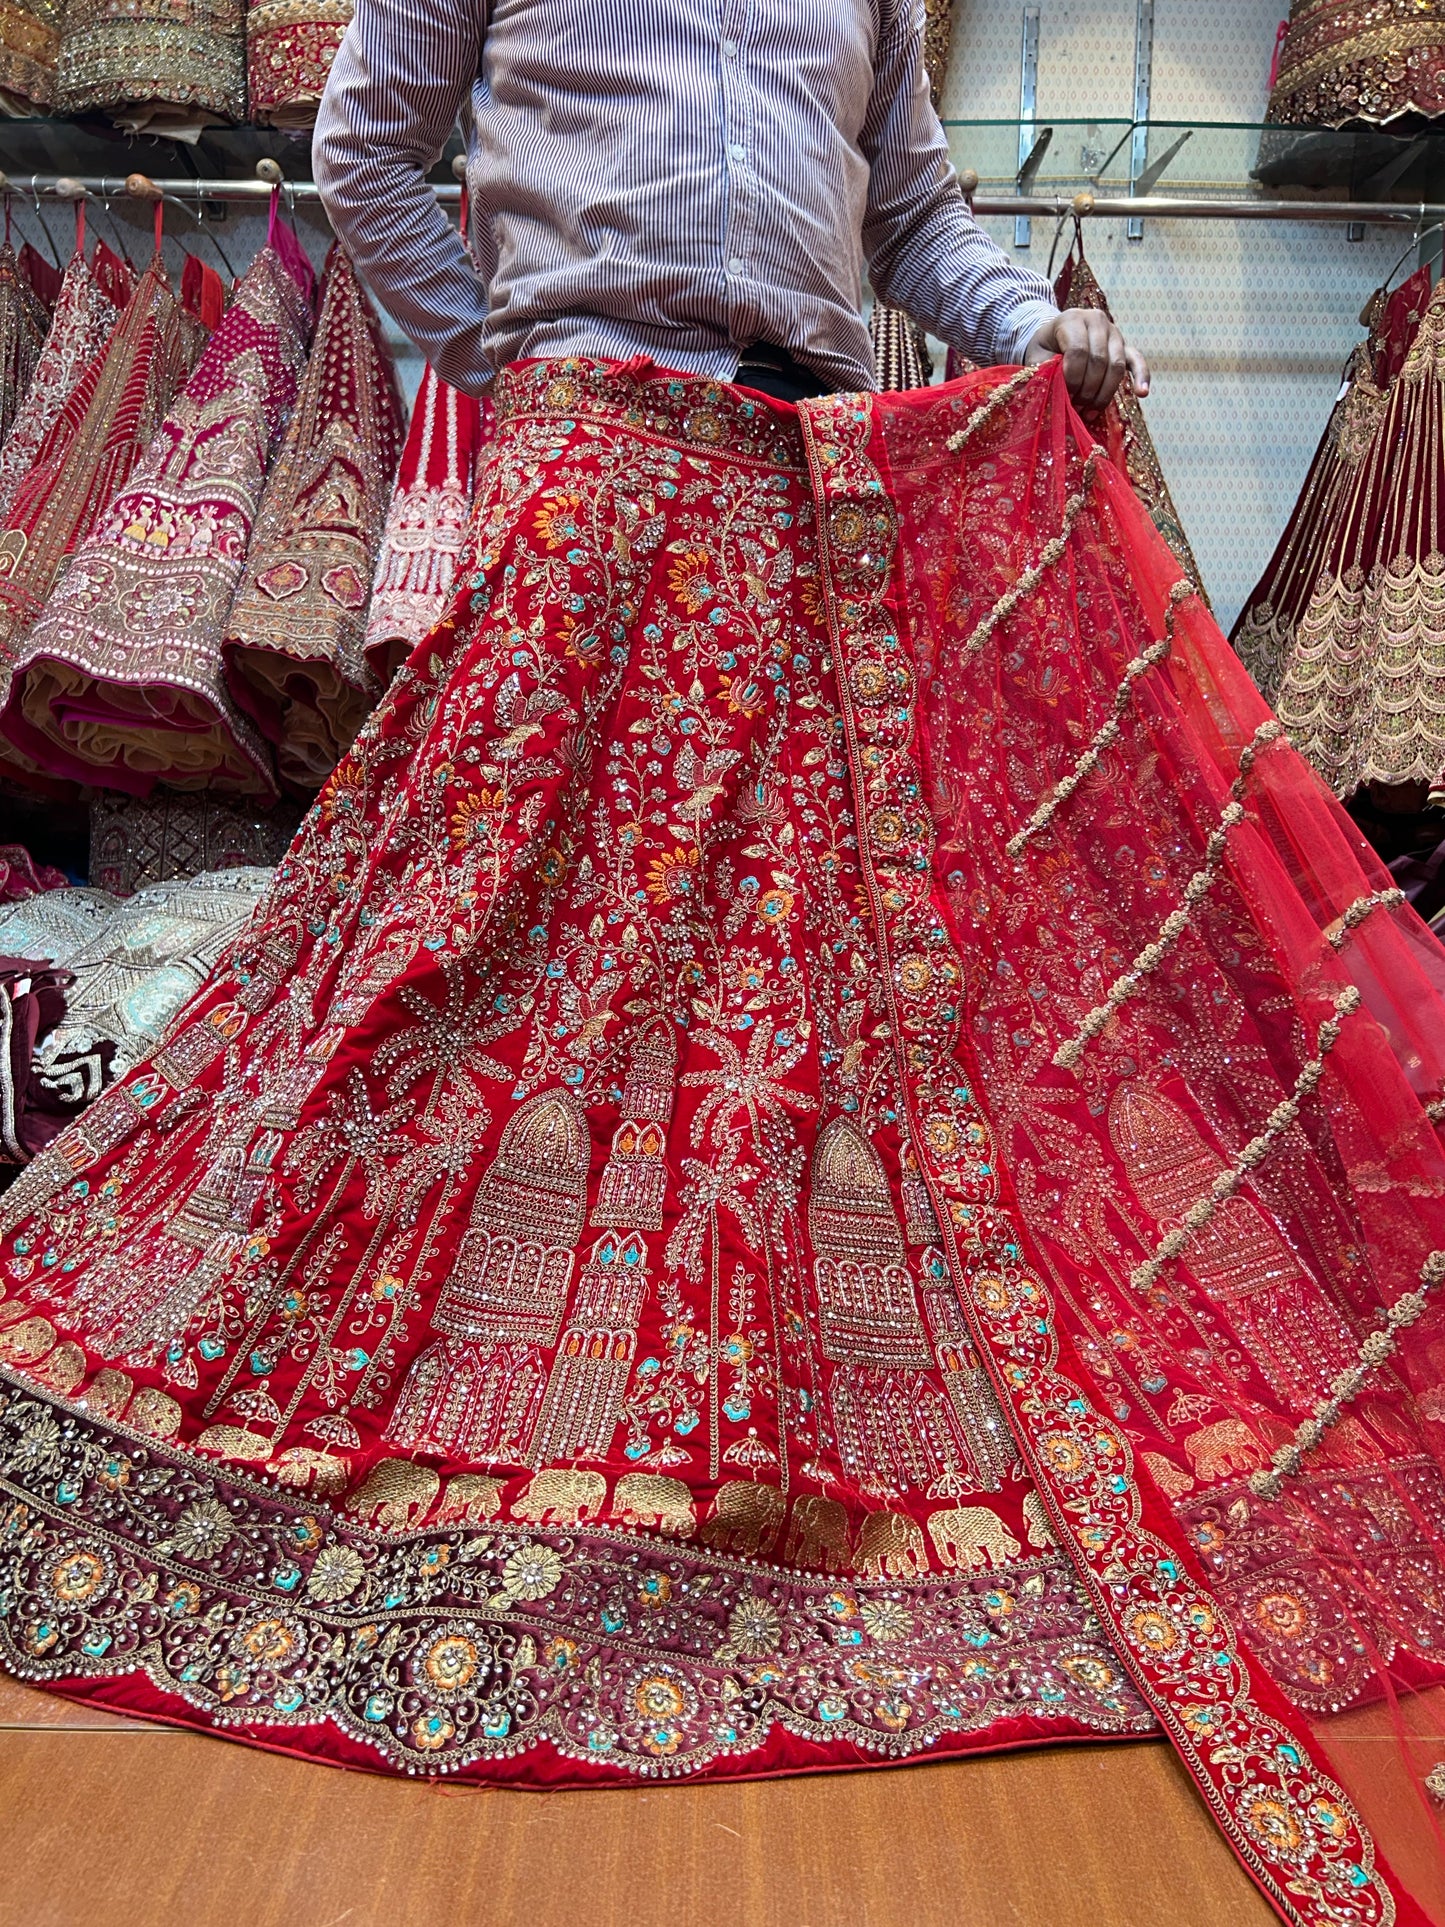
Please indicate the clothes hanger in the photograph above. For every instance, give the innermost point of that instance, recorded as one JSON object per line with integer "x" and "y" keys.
{"x": 39, "y": 217}
{"x": 1370, "y": 313}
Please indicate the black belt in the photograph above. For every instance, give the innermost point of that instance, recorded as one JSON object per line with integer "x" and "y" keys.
{"x": 773, "y": 371}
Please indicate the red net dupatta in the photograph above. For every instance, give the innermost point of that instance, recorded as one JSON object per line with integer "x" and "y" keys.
{"x": 1173, "y": 1054}
{"x": 295, "y": 638}
{"x": 120, "y": 681}
{"x": 1126, "y": 433}
{"x": 425, "y": 538}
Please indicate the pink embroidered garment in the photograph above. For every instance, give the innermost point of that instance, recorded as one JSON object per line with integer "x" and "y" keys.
{"x": 120, "y": 680}
{"x": 88, "y": 452}
{"x": 86, "y": 308}
{"x": 826, "y": 1151}
{"x": 294, "y": 640}
{"x": 426, "y": 527}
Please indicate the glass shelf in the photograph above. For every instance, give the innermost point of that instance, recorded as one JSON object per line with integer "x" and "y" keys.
{"x": 92, "y": 146}
{"x": 1228, "y": 158}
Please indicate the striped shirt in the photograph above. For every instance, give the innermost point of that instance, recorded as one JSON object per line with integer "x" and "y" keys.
{"x": 674, "y": 178}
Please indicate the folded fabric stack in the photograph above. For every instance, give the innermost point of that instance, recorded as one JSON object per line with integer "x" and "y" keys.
{"x": 290, "y": 45}
{"x": 153, "y": 66}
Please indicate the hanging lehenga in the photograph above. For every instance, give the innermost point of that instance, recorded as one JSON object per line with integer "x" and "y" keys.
{"x": 88, "y": 452}
{"x": 427, "y": 523}
{"x": 23, "y": 327}
{"x": 120, "y": 679}
{"x": 86, "y": 307}
{"x": 1347, "y": 630}
{"x": 294, "y": 641}
{"x": 1267, "y": 627}
{"x": 822, "y": 1152}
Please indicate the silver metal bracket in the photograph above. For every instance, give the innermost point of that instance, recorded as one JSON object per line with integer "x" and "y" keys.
{"x": 1028, "y": 111}
{"x": 1143, "y": 78}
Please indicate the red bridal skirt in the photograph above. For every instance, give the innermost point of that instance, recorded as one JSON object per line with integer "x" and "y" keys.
{"x": 824, "y": 1151}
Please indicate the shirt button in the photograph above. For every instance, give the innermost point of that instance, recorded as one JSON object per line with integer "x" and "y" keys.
{"x": 735, "y": 266}
{"x": 730, "y": 49}
{"x": 738, "y": 152}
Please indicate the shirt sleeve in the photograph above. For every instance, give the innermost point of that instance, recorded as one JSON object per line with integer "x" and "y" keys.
{"x": 398, "y": 81}
{"x": 926, "y": 252}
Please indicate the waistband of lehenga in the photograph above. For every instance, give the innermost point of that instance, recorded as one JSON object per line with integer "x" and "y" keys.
{"x": 685, "y": 410}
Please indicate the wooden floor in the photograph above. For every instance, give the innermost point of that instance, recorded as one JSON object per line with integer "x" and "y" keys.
{"x": 107, "y": 1824}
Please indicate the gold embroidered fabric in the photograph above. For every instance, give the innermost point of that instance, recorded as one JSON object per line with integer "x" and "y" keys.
{"x": 900, "y": 349}
{"x": 295, "y": 641}
{"x": 1360, "y": 60}
{"x": 168, "y": 837}
{"x": 85, "y": 312}
{"x": 1264, "y": 636}
{"x": 290, "y": 45}
{"x": 937, "y": 44}
{"x": 154, "y": 67}
{"x": 29, "y": 48}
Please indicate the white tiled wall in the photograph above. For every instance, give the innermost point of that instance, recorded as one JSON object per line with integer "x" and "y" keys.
{"x": 1247, "y": 324}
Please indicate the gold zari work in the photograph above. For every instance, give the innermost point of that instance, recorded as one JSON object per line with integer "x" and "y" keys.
{"x": 1360, "y": 60}
{"x": 154, "y": 67}
{"x": 29, "y": 48}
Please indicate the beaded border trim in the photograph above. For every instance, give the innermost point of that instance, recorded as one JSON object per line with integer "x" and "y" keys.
{"x": 1108, "y": 735}
{"x": 1374, "y": 1351}
{"x": 1050, "y": 555}
{"x": 1344, "y": 927}
{"x": 1258, "y": 1148}
{"x": 1067, "y": 1056}
{"x": 997, "y": 401}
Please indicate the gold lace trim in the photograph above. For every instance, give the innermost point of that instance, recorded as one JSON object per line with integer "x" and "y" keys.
{"x": 1067, "y": 1056}
{"x": 1374, "y": 1351}
{"x": 1108, "y": 735}
{"x": 1280, "y": 1120}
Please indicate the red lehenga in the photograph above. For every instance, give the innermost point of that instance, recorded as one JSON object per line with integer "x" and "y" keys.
{"x": 823, "y": 1151}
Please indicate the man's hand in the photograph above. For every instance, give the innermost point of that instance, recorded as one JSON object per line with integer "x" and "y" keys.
{"x": 1096, "y": 356}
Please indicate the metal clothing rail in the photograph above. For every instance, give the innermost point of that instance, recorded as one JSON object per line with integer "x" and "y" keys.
{"x": 1169, "y": 207}
{"x": 1154, "y": 207}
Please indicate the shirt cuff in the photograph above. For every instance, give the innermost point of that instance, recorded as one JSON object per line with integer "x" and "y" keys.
{"x": 1020, "y": 327}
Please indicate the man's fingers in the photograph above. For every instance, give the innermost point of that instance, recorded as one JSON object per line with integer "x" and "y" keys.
{"x": 1095, "y": 355}
{"x": 1083, "y": 339}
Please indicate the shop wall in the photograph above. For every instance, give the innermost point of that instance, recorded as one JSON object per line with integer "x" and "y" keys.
{"x": 1246, "y": 324}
